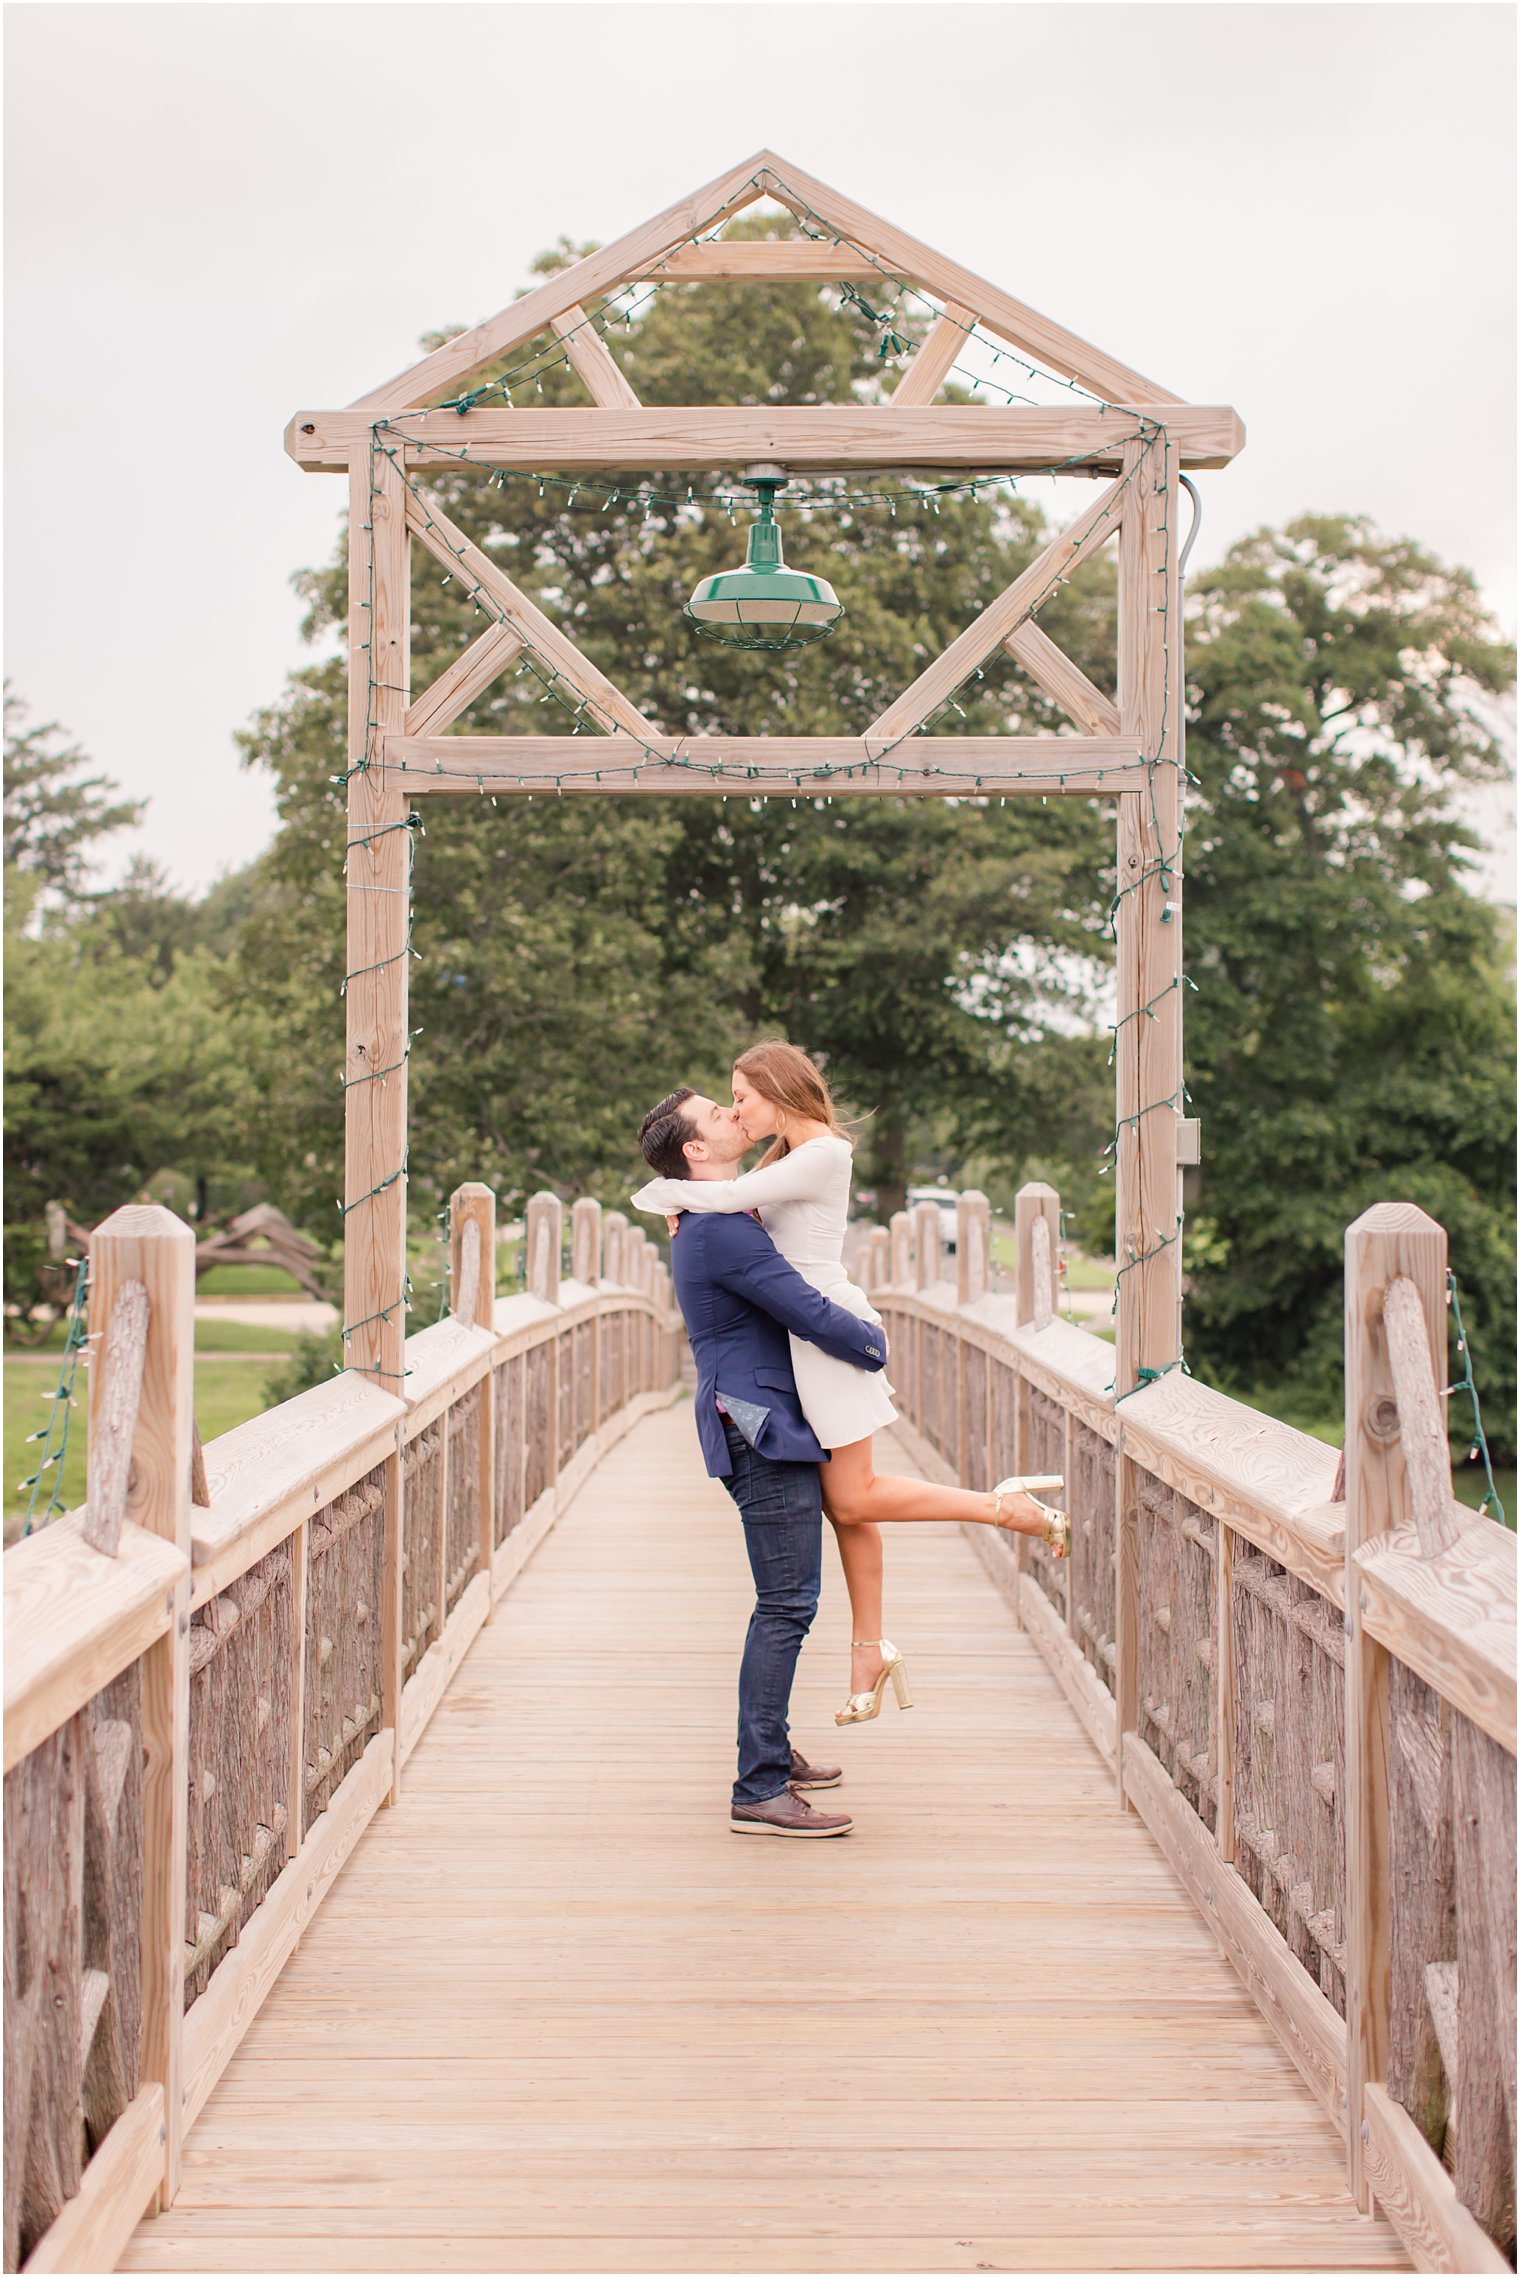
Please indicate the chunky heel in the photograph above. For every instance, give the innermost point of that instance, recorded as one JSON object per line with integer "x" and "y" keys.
{"x": 862, "y": 1706}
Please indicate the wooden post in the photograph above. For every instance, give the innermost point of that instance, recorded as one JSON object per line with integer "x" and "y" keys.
{"x": 900, "y": 1238}
{"x": 1148, "y": 1052}
{"x": 393, "y": 1605}
{"x": 1035, "y": 1204}
{"x": 586, "y": 1241}
{"x": 1389, "y": 1241}
{"x": 152, "y": 1246}
{"x": 926, "y": 1245}
{"x": 544, "y": 1233}
{"x": 586, "y": 1266}
{"x": 1224, "y": 1690}
{"x": 877, "y": 1256}
{"x": 973, "y": 1235}
{"x": 614, "y": 1233}
{"x": 472, "y": 1278}
{"x": 378, "y": 866}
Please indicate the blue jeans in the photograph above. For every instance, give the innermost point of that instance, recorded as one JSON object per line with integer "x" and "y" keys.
{"x": 782, "y": 1508}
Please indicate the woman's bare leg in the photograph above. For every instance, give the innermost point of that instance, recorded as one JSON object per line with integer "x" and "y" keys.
{"x": 855, "y": 1493}
{"x": 860, "y": 1555}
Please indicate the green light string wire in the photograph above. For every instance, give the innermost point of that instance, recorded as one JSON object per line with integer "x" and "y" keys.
{"x": 814, "y": 227}
{"x": 586, "y": 708}
{"x": 54, "y": 1435}
{"x": 1479, "y": 1441}
{"x": 1163, "y": 864}
{"x": 603, "y": 496}
{"x": 534, "y": 367}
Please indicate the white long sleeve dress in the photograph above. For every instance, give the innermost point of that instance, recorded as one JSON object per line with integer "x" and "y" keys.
{"x": 803, "y": 1202}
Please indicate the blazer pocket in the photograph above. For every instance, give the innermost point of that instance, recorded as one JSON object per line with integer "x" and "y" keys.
{"x": 775, "y": 1379}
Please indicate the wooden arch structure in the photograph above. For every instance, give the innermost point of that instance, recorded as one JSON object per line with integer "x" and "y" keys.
{"x": 1136, "y": 437}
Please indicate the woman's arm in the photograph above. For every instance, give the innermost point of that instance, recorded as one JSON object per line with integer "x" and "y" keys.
{"x": 805, "y": 1175}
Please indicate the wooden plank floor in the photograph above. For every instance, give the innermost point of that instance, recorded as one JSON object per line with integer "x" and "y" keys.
{"x": 554, "y": 2017}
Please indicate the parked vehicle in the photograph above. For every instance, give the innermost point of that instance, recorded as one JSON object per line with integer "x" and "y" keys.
{"x": 944, "y": 1201}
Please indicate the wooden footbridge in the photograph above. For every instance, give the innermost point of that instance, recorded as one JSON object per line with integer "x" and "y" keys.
{"x": 369, "y": 1899}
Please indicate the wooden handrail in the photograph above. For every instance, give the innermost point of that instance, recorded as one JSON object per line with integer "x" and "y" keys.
{"x": 282, "y": 1603}
{"x": 1232, "y": 1582}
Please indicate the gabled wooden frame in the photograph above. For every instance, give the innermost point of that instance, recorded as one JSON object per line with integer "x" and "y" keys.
{"x": 1129, "y": 429}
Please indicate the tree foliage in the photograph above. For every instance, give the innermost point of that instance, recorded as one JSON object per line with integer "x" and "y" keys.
{"x": 1351, "y": 1039}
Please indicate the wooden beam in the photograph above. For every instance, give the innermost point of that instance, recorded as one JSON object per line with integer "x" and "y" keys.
{"x": 1148, "y": 1036}
{"x": 1003, "y": 616}
{"x": 376, "y": 988}
{"x": 476, "y": 570}
{"x": 592, "y": 359}
{"x": 766, "y": 261}
{"x": 922, "y": 380}
{"x": 810, "y": 766}
{"x": 805, "y": 437}
{"x": 1053, "y": 670}
{"x": 633, "y": 255}
{"x": 1020, "y": 326}
{"x": 470, "y": 674}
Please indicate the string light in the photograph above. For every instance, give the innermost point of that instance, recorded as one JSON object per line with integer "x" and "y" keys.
{"x": 1150, "y": 433}
{"x": 1479, "y": 1441}
{"x": 54, "y": 1436}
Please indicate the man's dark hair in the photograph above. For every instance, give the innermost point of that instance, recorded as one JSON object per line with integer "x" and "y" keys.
{"x": 663, "y": 1134}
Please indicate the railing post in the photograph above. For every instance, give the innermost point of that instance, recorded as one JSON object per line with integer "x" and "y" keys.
{"x": 973, "y": 1235}
{"x": 1034, "y": 1205}
{"x": 614, "y": 1234}
{"x": 900, "y": 1239}
{"x": 1391, "y": 1240}
{"x": 544, "y": 1231}
{"x": 586, "y": 1266}
{"x": 152, "y": 1246}
{"x": 1037, "y": 1222}
{"x": 586, "y": 1240}
{"x": 472, "y": 1279}
{"x": 971, "y": 1213}
{"x": 926, "y": 1245}
{"x": 876, "y": 1258}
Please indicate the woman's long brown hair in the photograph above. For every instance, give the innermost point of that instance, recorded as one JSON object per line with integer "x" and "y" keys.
{"x": 788, "y": 1079}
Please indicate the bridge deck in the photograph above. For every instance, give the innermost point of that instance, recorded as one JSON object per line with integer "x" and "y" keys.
{"x": 554, "y": 2017}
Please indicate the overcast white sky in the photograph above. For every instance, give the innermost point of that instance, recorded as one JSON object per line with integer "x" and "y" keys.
{"x": 217, "y": 214}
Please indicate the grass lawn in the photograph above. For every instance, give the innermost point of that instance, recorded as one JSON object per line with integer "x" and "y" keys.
{"x": 227, "y": 1392}
{"x": 210, "y": 1336}
{"x": 248, "y": 1281}
{"x": 1082, "y": 1272}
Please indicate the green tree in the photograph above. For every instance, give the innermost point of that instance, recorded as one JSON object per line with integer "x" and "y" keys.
{"x": 55, "y": 813}
{"x": 120, "y": 1064}
{"x": 1351, "y": 1041}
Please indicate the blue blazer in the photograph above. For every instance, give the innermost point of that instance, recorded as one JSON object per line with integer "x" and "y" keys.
{"x": 739, "y": 1297}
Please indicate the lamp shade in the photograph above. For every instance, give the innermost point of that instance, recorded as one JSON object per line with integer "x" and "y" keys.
{"x": 763, "y": 604}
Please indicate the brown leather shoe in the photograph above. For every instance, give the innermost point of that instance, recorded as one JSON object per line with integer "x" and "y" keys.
{"x": 805, "y": 1774}
{"x": 787, "y": 1813}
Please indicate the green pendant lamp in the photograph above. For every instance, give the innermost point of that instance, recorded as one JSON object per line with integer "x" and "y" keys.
{"x": 765, "y": 604}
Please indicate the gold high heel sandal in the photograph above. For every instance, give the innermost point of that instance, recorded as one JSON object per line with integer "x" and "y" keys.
{"x": 862, "y": 1706}
{"x": 1055, "y": 1525}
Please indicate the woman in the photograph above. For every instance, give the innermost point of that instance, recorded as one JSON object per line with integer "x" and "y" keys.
{"x": 801, "y": 1192}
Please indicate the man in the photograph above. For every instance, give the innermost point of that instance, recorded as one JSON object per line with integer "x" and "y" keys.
{"x": 739, "y": 1299}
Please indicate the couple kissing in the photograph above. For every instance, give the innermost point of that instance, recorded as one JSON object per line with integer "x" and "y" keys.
{"x": 790, "y": 1360}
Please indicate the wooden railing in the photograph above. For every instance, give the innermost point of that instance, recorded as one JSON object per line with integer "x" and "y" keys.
{"x": 1302, "y": 1671}
{"x": 205, "y": 1705}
